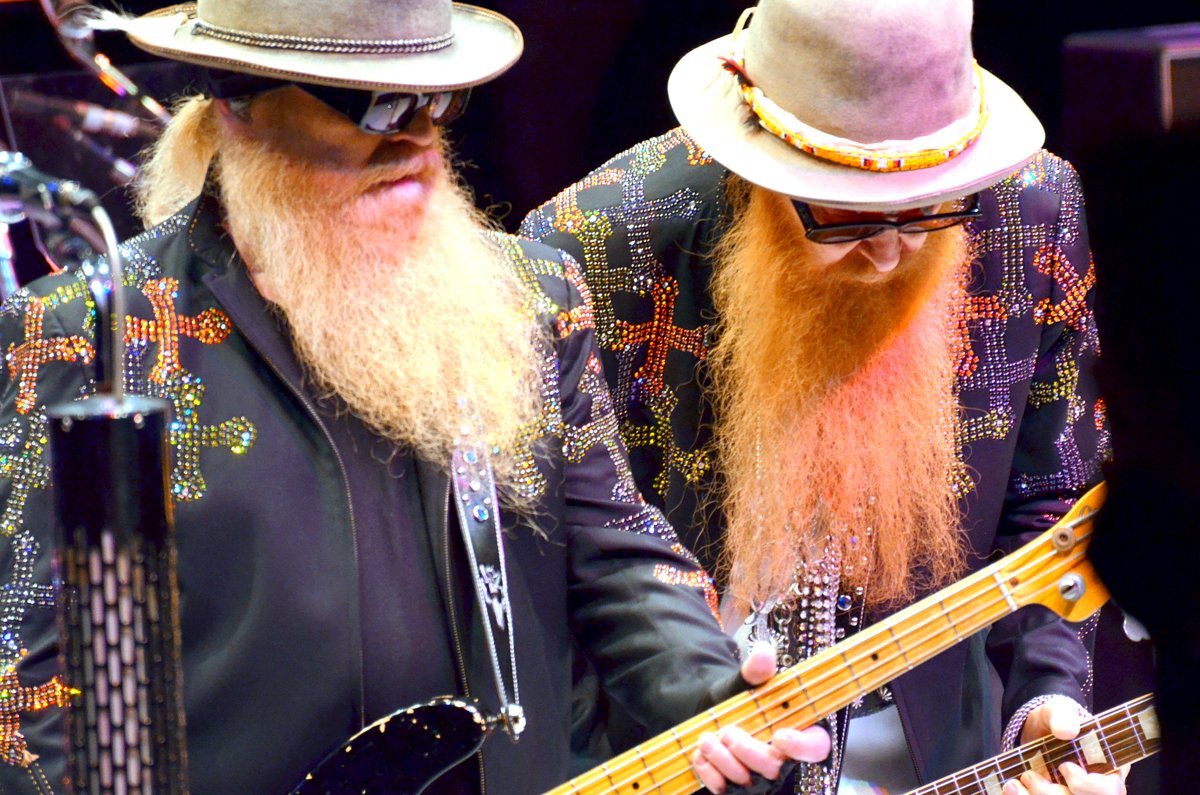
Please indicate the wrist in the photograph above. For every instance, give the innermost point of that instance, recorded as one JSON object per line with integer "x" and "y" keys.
{"x": 1012, "y": 732}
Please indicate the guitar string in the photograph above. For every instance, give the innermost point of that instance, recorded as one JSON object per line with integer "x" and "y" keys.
{"x": 788, "y": 677}
{"x": 758, "y": 698}
{"x": 1116, "y": 730}
{"x": 979, "y": 786}
{"x": 1120, "y": 738}
{"x": 971, "y": 781}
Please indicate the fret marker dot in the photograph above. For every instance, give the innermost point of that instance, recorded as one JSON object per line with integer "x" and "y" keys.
{"x": 874, "y": 656}
{"x": 787, "y": 705}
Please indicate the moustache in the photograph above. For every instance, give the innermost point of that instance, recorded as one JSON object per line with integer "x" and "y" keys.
{"x": 421, "y": 166}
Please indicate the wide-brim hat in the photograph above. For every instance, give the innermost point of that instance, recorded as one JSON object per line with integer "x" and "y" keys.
{"x": 851, "y": 71}
{"x": 377, "y": 45}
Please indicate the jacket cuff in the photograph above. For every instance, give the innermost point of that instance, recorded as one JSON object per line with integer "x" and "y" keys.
{"x": 1012, "y": 732}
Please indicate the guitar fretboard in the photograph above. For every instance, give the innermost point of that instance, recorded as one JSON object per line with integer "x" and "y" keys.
{"x": 1120, "y": 736}
{"x": 835, "y": 677}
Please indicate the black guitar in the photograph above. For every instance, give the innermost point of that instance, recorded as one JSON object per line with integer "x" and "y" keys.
{"x": 403, "y": 753}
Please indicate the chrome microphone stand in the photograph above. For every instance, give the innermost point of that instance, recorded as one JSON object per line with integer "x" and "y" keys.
{"x": 115, "y": 569}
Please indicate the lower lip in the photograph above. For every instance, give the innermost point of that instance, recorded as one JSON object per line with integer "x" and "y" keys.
{"x": 411, "y": 188}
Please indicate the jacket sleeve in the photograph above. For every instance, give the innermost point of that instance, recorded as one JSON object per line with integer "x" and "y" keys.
{"x": 642, "y": 608}
{"x": 45, "y": 357}
{"x": 1061, "y": 437}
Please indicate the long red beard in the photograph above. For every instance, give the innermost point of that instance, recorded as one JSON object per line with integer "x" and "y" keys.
{"x": 836, "y": 413}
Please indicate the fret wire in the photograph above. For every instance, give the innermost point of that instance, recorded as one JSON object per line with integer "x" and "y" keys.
{"x": 790, "y": 712}
{"x": 958, "y": 782}
{"x": 1102, "y": 742}
{"x": 1128, "y": 712}
{"x": 777, "y": 687}
{"x": 1118, "y": 725}
{"x": 954, "y": 590}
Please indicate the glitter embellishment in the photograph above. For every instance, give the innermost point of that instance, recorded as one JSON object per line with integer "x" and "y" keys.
{"x": 641, "y": 349}
{"x": 660, "y": 335}
{"x": 25, "y": 360}
{"x": 698, "y": 579}
{"x": 188, "y": 436}
{"x": 1073, "y": 309}
{"x": 210, "y": 327}
{"x": 580, "y": 317}
{"x": 16, "y": 699}
{"x": 24, "y": 441}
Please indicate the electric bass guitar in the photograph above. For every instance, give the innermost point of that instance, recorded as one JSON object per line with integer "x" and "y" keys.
{"x": 1120, "y": 736}
{"x": 403, "y": 753}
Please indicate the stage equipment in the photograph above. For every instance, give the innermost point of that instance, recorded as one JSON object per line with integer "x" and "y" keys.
{"x": 69, "y": 18}
{"x": 115, "y": 574}
{"x": 91, "y": 117}
{"x": 23, "y": 187}
{"x": 1120, "y": 85}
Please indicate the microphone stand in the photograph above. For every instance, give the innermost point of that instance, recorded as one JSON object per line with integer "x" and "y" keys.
{"x": 118, "y": 598}
{"x": 8, "y": 272}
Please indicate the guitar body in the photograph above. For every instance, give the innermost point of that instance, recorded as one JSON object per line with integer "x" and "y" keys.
{"x": 401, "y": 754}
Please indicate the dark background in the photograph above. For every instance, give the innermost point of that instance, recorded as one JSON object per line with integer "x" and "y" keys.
{"x": 592, "y": 82}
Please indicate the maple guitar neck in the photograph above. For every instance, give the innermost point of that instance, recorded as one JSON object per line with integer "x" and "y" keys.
{"x": 1052, "y": 570}
{"x": 1120, "y": 736}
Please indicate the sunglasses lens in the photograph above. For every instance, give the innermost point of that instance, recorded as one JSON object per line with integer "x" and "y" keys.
{"x": 931, "y": 224}
{"x": 446, "y": 106}
{"x": 845, "y": 234}
{"x": 385, "y": 112}
{"x": 388, "y": 112}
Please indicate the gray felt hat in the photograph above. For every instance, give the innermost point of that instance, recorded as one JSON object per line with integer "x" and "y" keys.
{"x": 380, "y": 45}
{"x": 855, "y": 75}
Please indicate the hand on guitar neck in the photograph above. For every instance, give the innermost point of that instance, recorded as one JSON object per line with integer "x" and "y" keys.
{"x": 733, "y": 755}
{"x": 1059, "y": 718}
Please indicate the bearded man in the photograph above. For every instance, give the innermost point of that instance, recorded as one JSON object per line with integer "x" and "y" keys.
{"x": 840, "y": 395}
{"x": 334, "y": 326}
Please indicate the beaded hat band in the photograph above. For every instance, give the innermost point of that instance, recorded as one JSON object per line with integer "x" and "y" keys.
{"x": 852, "y": 104}
{"x": 883, "y": 156}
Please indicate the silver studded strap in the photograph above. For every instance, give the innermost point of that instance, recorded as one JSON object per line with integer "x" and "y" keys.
{"x": 478, "y": 513}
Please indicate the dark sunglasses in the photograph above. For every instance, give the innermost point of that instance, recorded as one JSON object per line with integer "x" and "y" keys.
{"x": 958, "y": 211}
{"x": 384, "y": 112}
{"x": 376, "y": 112}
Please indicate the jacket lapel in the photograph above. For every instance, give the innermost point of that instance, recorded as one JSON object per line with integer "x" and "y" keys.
{"x": 435, "y": 502}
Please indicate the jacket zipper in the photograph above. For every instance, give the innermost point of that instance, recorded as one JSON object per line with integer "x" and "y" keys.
{"x": 459, "y": 657}
{"x": 312, "y": 412}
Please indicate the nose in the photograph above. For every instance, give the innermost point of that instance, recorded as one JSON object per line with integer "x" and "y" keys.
{"x": 885, "y": 249}
{"x": 418, "y": 132}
